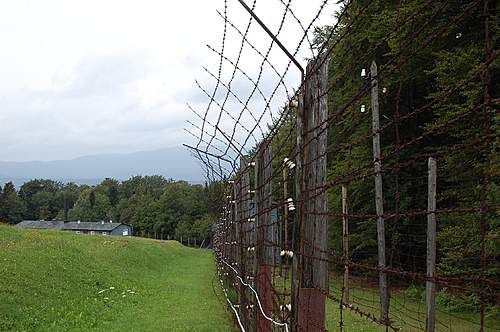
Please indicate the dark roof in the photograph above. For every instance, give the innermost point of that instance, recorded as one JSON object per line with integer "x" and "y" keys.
{"x": 72, "y": 226}
{"x": 90, "y": 226}
{"x": 40, "y": 224}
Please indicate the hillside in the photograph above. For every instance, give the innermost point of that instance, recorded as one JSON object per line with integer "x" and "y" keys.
{"x": 58, "y": 281}
{"x": 175, "y": 163}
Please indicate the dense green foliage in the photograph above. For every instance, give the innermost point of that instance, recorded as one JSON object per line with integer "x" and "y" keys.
{"x": 432, "y": 91}
{"x": 154, "y": 206}
{"x": 12, "y": 207}
{"x": 431, "y": 95}
{"x": 61, "y": 281}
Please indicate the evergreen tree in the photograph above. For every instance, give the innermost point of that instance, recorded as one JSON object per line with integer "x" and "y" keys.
{"x": 11, "y": 206}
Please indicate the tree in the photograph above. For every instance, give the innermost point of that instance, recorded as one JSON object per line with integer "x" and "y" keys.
{"x": 12, "y": 207}
{"x": 84, "y": 210}
{"x": 29, "y": 189}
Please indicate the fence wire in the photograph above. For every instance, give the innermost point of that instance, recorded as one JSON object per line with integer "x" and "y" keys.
{"x": 330, "y": 202}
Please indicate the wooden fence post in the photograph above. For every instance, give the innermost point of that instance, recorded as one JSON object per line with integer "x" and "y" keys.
{"x": 251, "y": 241}
{"x": 285, "y": 209}
{"x": 243, "y": 263}
{"x": 430, "y": 286}
{"x": 237, "y": 241}
{"x": 345, "y": 243}
{"x": 266, "y": 250}
{"x": 299, "y": 187}
{"x": 234, "y": 235}
{"x": 314, "y": 230}
{"x": 379, "y": 199}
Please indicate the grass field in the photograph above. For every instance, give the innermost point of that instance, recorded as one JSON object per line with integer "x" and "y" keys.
{"x": 61, "y": 281}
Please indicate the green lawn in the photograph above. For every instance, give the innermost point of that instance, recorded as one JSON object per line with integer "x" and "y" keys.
{"x": 61, "y": 281}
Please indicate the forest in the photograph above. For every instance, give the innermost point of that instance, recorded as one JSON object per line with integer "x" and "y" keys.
{"x": 154, "y": 206}
{"x": 438, "y": 98}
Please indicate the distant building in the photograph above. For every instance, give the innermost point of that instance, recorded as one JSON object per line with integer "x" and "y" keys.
{"x": 103, "y": 228}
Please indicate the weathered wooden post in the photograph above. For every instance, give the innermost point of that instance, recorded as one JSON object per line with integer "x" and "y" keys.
{"x": 298, "y": 217}
{"x": 265, "y": 249}
{"x": 430, "y": 286}
{"x": 251, "y": 238}
{"x": 285, "y": 210}
{"x": 345, "y": 243}
{"x": 379, "y": 199}
{"x": 314, "y": 228}
{"x": 243, "y": 263}
{"x": 236, "y": 242}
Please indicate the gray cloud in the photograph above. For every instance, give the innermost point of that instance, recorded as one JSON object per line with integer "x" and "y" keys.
{"x": 97, "y": 86}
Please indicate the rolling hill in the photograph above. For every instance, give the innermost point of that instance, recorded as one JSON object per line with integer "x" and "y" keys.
{"x": 61, "y": 281}
{"x": 175, "y": 163}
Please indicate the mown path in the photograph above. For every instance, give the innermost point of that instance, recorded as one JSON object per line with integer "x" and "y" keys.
{"x": 58, "y": 281}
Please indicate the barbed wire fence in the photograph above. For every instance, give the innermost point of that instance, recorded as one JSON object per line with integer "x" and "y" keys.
{"x": 309, "y": 171}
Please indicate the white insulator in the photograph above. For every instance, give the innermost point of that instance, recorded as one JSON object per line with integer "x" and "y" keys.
{"x": 290, "y": 254}
{"x": 251, "y": 191}
{"x": 251, "y": 219}
{"x": 293, "y": 103}
{"x": 251, "y": 164}
{"x": 282, "y": 253}
{"x": 363, "y": 108}
{"x": 363, "y": 72}
{"x": 289, "y": 307}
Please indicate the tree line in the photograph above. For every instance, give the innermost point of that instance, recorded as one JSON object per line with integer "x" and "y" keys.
{"x": 153, "y": 205}
{"x": 446, "y": 79}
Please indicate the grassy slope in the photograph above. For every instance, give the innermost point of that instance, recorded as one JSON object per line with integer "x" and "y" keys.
{"x": 50, "y": 280}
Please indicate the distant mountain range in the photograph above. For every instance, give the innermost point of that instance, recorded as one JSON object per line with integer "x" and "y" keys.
{"x": 175, "y": 163}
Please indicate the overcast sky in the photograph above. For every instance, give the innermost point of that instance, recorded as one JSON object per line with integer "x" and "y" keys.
{"x": 90, "y": 77}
